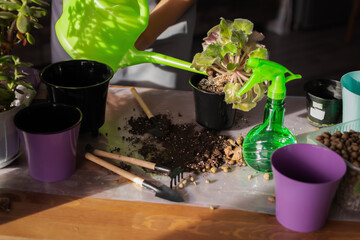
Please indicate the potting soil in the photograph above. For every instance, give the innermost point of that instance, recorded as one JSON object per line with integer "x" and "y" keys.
{"x": 182, "y": 145}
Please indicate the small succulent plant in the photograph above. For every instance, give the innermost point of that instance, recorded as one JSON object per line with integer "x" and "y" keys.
{"x": 225, "y": 50}
{"x": 17, "y": 19}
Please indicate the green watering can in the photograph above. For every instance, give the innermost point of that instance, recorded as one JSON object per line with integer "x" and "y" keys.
{"x": 106, "y": 31}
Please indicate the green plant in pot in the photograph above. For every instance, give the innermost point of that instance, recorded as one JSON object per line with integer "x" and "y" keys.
{"x": 17, "y": 19}
{"x": 225, "y": 50}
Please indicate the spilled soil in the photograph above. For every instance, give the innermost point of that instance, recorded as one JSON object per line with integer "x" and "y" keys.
{"x": 181, "y": 145}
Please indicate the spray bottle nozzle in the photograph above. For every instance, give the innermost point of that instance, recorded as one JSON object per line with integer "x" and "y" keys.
{"x": 265, "y": 70}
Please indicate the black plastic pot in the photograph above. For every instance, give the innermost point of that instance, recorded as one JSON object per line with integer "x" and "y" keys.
{"x": 323, "y": 102}
{"x": 211, "y": 110}
{"x": 80, "y": 83}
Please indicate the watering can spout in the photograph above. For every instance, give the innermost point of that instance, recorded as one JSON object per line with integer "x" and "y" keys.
{"x": 106, "y": 31}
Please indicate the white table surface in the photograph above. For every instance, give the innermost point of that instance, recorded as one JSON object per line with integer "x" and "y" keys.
{"x": 227, "y": 190}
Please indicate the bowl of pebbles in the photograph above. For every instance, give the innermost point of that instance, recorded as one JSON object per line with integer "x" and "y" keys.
{"x": 344, "y": 138}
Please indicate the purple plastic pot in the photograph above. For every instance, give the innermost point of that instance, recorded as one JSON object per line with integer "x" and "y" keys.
{"x": 306, "y": 177}
{"x": 49, "y": 134}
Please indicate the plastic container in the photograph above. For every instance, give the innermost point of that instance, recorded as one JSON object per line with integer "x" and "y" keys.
{"x": 211, "y": 110}
{"x": 49, "y": 135}
{"x": 262, "y": 140}
{"x": 323, "y": 102}
{"x": 345, "y": 196}
{"x": 80, "y": 83}
{"x": 306, "y": 178}
{"x": 351, "y": 96}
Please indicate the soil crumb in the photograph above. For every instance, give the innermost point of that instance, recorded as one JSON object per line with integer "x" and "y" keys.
{"x": 181, "y": 145}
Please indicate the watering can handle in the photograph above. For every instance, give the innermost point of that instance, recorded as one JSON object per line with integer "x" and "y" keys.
{"x": 134, "y": 57}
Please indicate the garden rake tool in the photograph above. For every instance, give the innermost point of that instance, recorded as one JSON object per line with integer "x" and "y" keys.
{"x": 106, "y": 31}
{"x": 161, "y": 192}
{"x": 175, "y": 175}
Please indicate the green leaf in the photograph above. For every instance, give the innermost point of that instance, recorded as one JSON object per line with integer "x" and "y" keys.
{"x": 30, "y": 38}
{"x": 6, "y": 58}
{"x": 230, "y": 91}
{"x": 27, "y": 85}
{"x": 5, "y": 78}
{"x": 246, "y": 103}
{"x": 231, "y": 67}
{"x": 213, "y": 51}
{"x": 6, "y": 97}
{"x": 25, "y": 10}
{"x": 7, "y": 15}
{"x": 244, "y": 25}
{"x": 244, "y": 106}
{"x": 23, "y": 24}
{"x": 37, "y": 12}
{"x": 225, "y": 29}
{"x": 41, "y": 3}
{"x": 37, "y": 25}
{"x": 239, "y": 37}
{"x": 201, "y": 61}
{"x": 257, "y": 53}
{"x": 9, "y": 6}
{"x": 259, "y": 90}
{"x": 228, "y": 48}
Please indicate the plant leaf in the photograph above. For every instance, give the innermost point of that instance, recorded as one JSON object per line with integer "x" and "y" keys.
{"x": 257, "y": 53}
{"x": 30, "y": 38}
{"x": 230, "y": 91}
{"x": 231, "y": 67}
{"x": 244, "y": 25}
{"x": 9, "y": 6}
{"x": 6, "y": 97}
{"x": 7, "y": 15}
{"x": 228, "y": 48}
{"x": 25, "y": 10}
{"x": 23, "y": 23}
{"x": 27, "y": 85}
{"x": 202, "y": 61}
{"x": 37, "y": 12}
{"x": 246, "y": 103}
{"x": 41, "y": 3}
{"x": 4, "y": 77}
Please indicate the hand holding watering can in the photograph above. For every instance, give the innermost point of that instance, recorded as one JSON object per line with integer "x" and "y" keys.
{"x": 106, "y": 31}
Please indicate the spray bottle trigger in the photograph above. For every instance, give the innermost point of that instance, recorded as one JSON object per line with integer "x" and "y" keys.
{"x": 292, "y": 77}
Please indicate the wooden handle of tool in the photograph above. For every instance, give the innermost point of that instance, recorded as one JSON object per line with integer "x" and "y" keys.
{"x": 115, "y": 169}
{"x": 138, "y": 162}
{"x": 141, "y": 102}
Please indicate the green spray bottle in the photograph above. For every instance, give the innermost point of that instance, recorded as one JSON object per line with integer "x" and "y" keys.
{"x": 265, "y": 138}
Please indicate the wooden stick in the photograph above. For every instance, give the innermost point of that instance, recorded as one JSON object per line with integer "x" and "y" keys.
{"x": 138, "y": 162}
{"x": 115, "y": 169}
{"x": 141, "y": 102}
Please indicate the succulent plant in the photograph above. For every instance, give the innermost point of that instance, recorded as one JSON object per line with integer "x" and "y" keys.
{"x": 225, "y": 50}
{"x": 17, "y": 19}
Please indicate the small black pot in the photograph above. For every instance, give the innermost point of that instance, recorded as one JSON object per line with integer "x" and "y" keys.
{"x": 211, "y": 109}
{"x": 323, "y": 102}
{"x": 80, "y": 83}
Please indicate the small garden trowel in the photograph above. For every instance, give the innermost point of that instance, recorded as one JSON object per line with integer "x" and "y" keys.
{"x": 161, "y": 191}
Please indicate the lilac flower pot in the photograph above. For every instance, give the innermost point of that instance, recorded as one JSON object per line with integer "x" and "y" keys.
{"x": 306, "y": 178}
{"x": 49, "y": 135}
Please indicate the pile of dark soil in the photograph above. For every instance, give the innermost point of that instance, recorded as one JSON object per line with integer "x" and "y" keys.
{"x": 181, "y": 145}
